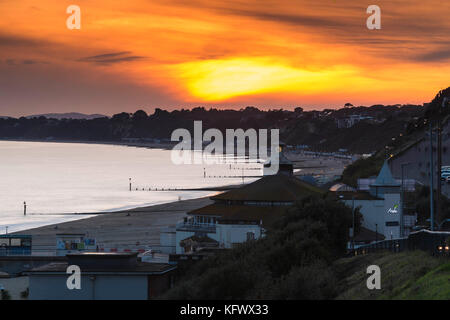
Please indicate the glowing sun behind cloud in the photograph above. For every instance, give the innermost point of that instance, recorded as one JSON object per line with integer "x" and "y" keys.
{"x": 218, "y": 80}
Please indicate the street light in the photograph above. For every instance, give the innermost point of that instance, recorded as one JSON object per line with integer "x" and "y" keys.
{"x": 403, "y": 165}
{"x": 353, "y": 221}
{"x": 376, "y": 233}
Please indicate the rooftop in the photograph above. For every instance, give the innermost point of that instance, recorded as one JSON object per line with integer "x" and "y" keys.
{"x": 273, "y": 188}
{"x": 368, "y": 235}
{"x": 109, "y": 263}
{"x": 356, "y": 195}
{"x": 242, "y": 213}
{"x": 385, "y": 178}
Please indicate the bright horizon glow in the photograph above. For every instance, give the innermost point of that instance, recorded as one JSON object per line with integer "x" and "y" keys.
{"x": 218, "y": 80}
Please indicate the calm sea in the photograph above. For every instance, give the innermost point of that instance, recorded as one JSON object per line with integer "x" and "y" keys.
{"x": 67, "y": 178}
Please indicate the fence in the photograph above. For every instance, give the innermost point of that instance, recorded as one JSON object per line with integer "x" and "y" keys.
{"x": 435, "y": 242}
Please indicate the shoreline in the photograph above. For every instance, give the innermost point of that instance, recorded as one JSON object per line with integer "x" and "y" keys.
{"x": 45, "y": 219}
{"x": 145, "y": 207}
{"x": 214, "y": 190}
{"x": 149, "y": 145}
{"x": 126, "y": 229}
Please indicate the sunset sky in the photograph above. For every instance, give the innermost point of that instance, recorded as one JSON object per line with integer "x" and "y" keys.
{"x": 171, "y": 54}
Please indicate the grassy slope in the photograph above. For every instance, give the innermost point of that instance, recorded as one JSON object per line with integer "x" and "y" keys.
{"x": 407, "y": 275}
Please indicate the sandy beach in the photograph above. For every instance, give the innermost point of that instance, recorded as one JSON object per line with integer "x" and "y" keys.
{"x": 120, "y": 230}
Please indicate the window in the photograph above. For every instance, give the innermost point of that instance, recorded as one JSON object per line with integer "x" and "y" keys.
{"x": 392, "y": 224}
{"x": 16, "y": 242}
{"x": 250, "y": 236}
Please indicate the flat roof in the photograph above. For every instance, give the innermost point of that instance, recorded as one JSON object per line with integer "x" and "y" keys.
{"x": 15, "y": 236}
{"x": 357, "y": 195}
{"x": 140, "y": 268}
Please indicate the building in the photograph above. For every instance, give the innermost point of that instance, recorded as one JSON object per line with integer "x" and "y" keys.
{"x": 15, "y": 245}
{"x": 285, "y": 166}
{"x": 416, "y": 159}
{"x": 240, "y": 215}
{"x": 104, "y": 276}
{"x": 351, "y": 120}
{"x": 381, "y": 206}
{"x": 68, "y": 243}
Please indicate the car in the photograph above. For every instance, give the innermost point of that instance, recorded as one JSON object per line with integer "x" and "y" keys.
{"x": 445, "y": 175}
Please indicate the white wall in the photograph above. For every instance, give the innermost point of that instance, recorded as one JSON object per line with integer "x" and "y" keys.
{"x": 377, "y": 212}
{"x": 390, "y": 200}
{"x": 236, "y": 233}
{"x": 226, "y": 235}
{"x": 372, "y": 212}
{"x": 167, "y": 240}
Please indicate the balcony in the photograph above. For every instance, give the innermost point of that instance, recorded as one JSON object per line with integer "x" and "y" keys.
{"x": 196, "y": 227}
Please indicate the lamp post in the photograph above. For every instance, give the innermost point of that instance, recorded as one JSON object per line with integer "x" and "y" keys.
{"x": 431, "y": 179}
{"x": 403, "y": 165}
{"x": 353, "y": 222}
{"x": 376, "y": 234}
{"x": 439, "y": 158}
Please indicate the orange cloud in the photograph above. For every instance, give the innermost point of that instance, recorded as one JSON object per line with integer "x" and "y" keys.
{"x": 218, "y": 52}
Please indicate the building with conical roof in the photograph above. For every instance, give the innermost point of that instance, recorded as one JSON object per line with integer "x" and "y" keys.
{"x": 384, "y": 183}
{"x": 381, "y": 206}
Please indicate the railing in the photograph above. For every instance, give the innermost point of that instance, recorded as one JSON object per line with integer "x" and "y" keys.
{"x": 396, "y": 245}
{"x": 437, "y": 245}
{"x": 196, "y": 227}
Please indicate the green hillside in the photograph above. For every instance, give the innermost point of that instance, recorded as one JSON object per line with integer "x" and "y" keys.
{"x": 407, "y": 275}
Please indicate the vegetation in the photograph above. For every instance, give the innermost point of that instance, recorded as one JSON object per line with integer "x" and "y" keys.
{"x": 406, "y": 275}
{"x": 5, "y": 295}
{"x": 413, "y": 129}
{"x": 292, "y": 262}
{"x": 421, "y": 200}
{"x": 317, "y": 129}
{"x": 362, "y": 168}
{"x": 301, "y": 258}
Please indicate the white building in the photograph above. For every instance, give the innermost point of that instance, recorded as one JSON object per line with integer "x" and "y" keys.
{"x": 241, "y": 214}
{"x": 381, "y": 206}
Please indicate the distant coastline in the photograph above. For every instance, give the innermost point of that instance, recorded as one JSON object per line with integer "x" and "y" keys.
{"x": 149, "y": 145}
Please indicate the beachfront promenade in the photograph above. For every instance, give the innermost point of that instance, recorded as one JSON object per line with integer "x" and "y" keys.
{"x": 126, "y": 230}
